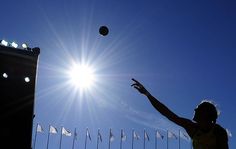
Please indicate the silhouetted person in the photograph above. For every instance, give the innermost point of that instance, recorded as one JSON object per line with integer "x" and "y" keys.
{"x": 203, "y": 130}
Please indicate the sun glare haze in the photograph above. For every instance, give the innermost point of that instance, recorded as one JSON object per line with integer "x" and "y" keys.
{"x": 81, "y": 76}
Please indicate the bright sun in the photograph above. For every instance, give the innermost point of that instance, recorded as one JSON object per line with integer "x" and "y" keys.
{"x": 82, "y": 76}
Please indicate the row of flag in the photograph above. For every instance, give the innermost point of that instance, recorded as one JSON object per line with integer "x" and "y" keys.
{"x": 123, "y": 137}
{"x": 64, "y": 131}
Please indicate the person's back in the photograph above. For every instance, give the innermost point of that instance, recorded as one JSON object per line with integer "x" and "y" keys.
{"x": 211, "y": 139}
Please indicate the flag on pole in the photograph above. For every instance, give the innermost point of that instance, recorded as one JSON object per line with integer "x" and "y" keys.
{"x": 99, "y": 135}
{"x": 172, "y": 135}
{"x": 75, "y": 135}
{"x": 39, "y": 128}
{"x": 88, "y": 134}
{"x": 52, "y": 130}
{"x": 75, "y": 138}
{"x": 183, "y": 134}
{"x": 65, "y": 132}
{"x": 146, "y": 135}
{"x": 159, "y": 135}
{"x": 112, "y": 137}
{"x": 136, "y": 136}
{"x": 123, "y": 136}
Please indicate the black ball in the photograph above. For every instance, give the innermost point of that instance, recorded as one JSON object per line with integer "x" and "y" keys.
{"x": 103, "y": 30}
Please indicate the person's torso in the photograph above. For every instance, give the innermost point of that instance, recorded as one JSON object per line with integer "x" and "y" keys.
{"x": 204, "y": 140}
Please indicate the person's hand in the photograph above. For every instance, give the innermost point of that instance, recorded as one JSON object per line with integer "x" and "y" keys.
{"x": 139, "y": 87}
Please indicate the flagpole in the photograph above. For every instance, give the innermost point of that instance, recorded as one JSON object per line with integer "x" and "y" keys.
{"x": 73, "y": 144}
{"x": 156, "y": 140}
{"x": 97, "y": 138}
{"x": 132, "y": 138}
{"x": 60, "y": 138}
{"x": 121, "y": 139}
{"x": 86, "y": 139}
{"x": 109, "y": 140}
{"x": 167, "y": 139}
{"x": 35, "y": 135}
{"x": 48, "y": 136}
{"x": 144, "y": 139}
{"x": 179, "y": 138}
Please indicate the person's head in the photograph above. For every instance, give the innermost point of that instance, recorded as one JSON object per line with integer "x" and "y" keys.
{"x": 205, "y": 112}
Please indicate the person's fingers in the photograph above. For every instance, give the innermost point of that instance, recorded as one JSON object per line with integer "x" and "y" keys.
{"x": 136, "y": 81}
{"x": 137, "y": 87}
{"x": 135, "y": 84}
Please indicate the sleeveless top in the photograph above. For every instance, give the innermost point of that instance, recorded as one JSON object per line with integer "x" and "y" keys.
{"x": 204, "y": 140}
{"x": 209, "y": 140}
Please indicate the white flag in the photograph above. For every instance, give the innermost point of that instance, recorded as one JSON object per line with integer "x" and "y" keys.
{"x": 52, "y": 129}
{"x": 75, "y": 135}
{"x": 99, "y": 136}
{"x": 146, "y": 135}
{"x": 65, "y": 132}
{"x": 171, "y": 135}
{"x": 39, "y": 128}
{"x": 159, "y": 135}
{"x": 88, "y": 134}
{"x": 136, "y": 136}
{"x": 185, "y": 135}
{"x": 112, "y": 138}
{"x": 123, "y": 136}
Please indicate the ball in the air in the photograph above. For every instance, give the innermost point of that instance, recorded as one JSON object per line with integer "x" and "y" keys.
{"x": 103, "y": 30}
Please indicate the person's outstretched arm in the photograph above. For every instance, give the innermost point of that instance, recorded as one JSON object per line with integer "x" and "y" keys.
{"x": 186, "y": 123}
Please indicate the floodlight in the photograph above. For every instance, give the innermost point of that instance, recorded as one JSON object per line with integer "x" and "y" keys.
{"x": 24, "y": 46}
{"x": 4, "y": 42}
{"x": 27, "y": 79}
{"x": 13, "y": 44}
{"x": 5, "y": 75}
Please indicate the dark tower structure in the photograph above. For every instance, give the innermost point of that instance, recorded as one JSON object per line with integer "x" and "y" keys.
{"x": 18, "y": 71}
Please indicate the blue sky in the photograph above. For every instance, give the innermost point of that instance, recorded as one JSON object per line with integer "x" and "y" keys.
{"x": 182, "y": 51}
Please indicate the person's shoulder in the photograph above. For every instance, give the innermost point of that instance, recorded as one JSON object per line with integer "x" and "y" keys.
{"x": 221, "y": 137}
{"x": 220, "y": 131}
{"x": 219, "y": 128}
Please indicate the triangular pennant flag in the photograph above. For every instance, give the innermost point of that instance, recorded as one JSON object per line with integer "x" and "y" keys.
{"x": 39, "y": 128}
{"x": 99, "y": 136}
{"x": 184, "y": 135}
{"x": 75, "y": 135}
{"x": 136, "y": 136}
{"x": 146, "y": 135}
{"x": 88, "y": 134}
{"x": 112, "y": 138}
{"x": 159, "y": 135}
{"x": 52, "y": 130}
{"x": 65, "y": 132}
{"x": 123, "y": 136}
{"x": 172, "y": 135}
